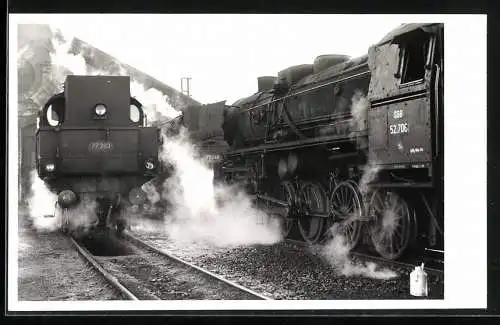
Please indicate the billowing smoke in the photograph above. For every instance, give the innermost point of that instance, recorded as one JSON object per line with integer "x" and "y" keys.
{"x": 46, "y": 217}
{"x": 80, "y": 218}
{"x": 65, "y": 63}
{"x": 41, "y": 203}
{"x": 336, "y": 252}
{"x": 359, "y": 116}
{"x": 153, "y": 196}
{"x": 370, "y": 173}
{"x": 359, "y": 109}
{"x": 68, "y": 61}
{"x": 201, "y": 212}
{"x": 155, "y": 104}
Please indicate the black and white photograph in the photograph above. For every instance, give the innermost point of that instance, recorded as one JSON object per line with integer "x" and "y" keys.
{"x": 246, "y": 161}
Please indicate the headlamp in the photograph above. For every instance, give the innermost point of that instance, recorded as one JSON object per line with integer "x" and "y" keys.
{"x": 100, "y": 109}
{"x": 149, "y": 165}
{"x": 50, "y": 167}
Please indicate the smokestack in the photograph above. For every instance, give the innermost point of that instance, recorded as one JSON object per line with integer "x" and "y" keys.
{"x": 265, "y": 83}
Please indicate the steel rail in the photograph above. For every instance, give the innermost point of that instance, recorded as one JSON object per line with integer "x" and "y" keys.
{"x": 435, "y": 271}
{"x": 110, "y": 278}
{"x": 427, "y": 269}
{"x": 169, "y": 255}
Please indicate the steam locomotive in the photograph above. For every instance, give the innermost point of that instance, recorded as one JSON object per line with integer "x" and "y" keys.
{"x": 353, "y": 145}
{"x": 93, "y": 147}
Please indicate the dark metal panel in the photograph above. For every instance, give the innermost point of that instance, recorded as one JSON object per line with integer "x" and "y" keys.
{"x": 124, "y": 141}
{"x": 75, "y": 143}
{"x": 211, "y": 118}
{"x": 99, "y": 151}
{"x": 400, "y": 132}
{"x": 377, "y": 135}
{"x": 46, "y": 143}
{"x": 148, "y": 142}
{"x": 125, "y": 163}
{"x": 82, "y": 93}
{"x": 79, "y": 165}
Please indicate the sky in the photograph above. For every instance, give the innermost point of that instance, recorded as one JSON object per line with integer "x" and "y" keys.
{"x": 223, "y": 54}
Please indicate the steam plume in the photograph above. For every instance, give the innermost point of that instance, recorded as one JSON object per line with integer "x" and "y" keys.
{"x": 359, "y": 108}
{"x": 336, "y": 252}
{"x": 370, "y": 173}
{"x": 202, "y": 212}
{"x": 41, "y": 203}
{"x": 46, "y": 217}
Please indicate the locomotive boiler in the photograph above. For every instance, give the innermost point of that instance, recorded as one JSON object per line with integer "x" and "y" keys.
{"x": 93, "y": 148}
{"x": 349, "y": 147}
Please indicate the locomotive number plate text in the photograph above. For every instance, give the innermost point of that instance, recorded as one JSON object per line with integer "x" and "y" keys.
{"x": 100, "y": 146}
{"x": 398, "y": 128}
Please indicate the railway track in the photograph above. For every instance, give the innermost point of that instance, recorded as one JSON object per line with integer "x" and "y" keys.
{"x": 432, "y": 266}
{"x": 112, "y": 280}
{"x": 147, "y": 273}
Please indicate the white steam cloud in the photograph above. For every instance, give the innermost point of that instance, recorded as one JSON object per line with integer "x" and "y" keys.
{"x": 41, "y": 204}
{"x": 370, "y": 173}
{"x": 201, "y": 212}
{"x": 46, "y": 217}
{"x": 336, "y": 252}
{"x": 359, "y": 109}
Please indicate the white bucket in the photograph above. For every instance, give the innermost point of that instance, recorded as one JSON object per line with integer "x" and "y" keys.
{"x": 418, "y": 282}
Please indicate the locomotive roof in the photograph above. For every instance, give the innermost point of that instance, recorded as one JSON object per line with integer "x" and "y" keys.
{"x": 309, "y": 79}
{"x": 331, "y": 71}
{"x": 337, "y": 69}
{"x": 406, "y": 28}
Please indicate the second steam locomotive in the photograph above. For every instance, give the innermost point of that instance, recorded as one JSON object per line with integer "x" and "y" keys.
{"x": 350, "y": 145}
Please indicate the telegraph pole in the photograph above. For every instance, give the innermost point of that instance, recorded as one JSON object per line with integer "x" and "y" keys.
{"x": 187, "y": 89}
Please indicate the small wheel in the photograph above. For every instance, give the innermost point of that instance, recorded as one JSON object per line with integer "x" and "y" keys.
{"x": 390, "y": 231}
{"x": 347, "y": 206}
{"x": 313, "y": 200}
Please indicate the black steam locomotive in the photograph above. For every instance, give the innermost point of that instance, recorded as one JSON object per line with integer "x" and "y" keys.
{"x": 356, "y": 143}
{"x": 351, "y": 145}
{"x": 93, "y": 146}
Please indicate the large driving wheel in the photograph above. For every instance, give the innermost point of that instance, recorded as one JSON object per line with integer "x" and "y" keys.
{"x": 390, "y": 230}
{"x": 347, "y": 208}
{"x": 312, "y": 199}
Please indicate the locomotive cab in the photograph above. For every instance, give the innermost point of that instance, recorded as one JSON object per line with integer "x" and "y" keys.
{"x": 405, "y": 131}
{"x": 92, "y": 141}
{"x": 406, "y": 104}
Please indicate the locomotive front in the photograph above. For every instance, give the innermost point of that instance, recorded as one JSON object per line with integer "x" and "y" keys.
{"x": 93, "y": 146}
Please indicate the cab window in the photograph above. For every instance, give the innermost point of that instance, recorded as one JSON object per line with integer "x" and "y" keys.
{"x": 52, "y": 117}
{"x": 135, "y": 114}
{"x": 414, "y": 58}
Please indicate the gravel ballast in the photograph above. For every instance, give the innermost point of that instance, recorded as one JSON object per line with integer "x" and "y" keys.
{"x": 281, "y": 271}
{"x": 151, "y": 277}
{"x": 51, "y": 269}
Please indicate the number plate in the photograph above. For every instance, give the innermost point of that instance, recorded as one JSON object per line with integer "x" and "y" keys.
{"x": 398, "y": 128}
{"x": 100, "y": 146}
